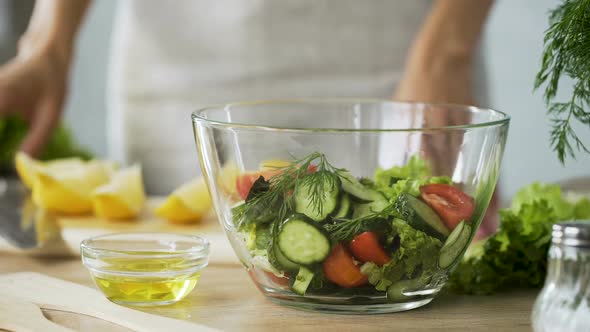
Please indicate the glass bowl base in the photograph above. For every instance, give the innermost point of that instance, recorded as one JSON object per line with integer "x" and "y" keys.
{"x": 145, "y": 303}
{"x": 354, "y": 309}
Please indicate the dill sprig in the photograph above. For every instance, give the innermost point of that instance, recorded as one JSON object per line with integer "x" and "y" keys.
{"x": 567, "y": 52}
{"x": 344, "y": 229}
{"x": 317, "y": 184}
{"x": 313, "y": 171}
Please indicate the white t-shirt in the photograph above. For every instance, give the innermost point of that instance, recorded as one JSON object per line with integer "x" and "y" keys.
{"x": 172, "y": 57}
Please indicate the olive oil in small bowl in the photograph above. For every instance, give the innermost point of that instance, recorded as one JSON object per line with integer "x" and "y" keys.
{"x": 145, "y": 269}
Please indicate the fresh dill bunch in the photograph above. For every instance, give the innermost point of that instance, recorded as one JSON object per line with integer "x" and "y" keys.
{"x": 344, "y": 229}
{"x": 313, "y": 171}
{"x": 567, "y": 52}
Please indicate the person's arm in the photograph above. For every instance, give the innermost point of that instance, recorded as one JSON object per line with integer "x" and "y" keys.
{"x": 439, "y": 69}
{"x": 439, "y": 64}
{"x": 34, "y": 83}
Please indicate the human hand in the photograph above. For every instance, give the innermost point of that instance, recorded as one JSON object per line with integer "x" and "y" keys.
{"x": 34, "y": 85}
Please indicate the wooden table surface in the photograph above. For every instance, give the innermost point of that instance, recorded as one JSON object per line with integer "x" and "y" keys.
{"x": 226, "y": 299}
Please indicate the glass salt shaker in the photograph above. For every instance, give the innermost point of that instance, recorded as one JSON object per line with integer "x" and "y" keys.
{"x": 564, "y": 302}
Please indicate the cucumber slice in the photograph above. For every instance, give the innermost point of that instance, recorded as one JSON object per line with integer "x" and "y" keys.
{"x": 421, "y": 216}
{"x": 455, "y": 245}
{"x": 396, "y": 292}
{"x": 302, "y": 280}
{"x": 303, "y": 241}
{"x": 345, "y": 207}
{"x": 354, "y": 187}
{"x": 365, "y": 209}
{"x": 276, "y": 257}
{"x": 283, "y": 263}
{"x": 305, "y": 205}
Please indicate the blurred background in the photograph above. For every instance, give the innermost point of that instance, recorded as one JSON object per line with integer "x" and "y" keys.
{"x": 511, "y": 46}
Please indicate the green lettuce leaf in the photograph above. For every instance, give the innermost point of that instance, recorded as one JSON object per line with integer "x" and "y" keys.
{"x": 411, "y": 186}
{"x": 414, "y": 168}
{"x": 551, "y": 193}
{"x": 582, "y": 209}
{"x": 263, "y": 237}
{"x": 415, "y": 258}
{"x": 406, "y": 179}
{"x": 516, "y": 255}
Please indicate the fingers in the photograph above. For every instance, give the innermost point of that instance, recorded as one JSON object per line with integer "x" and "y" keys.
{"x": 42, "y": 125}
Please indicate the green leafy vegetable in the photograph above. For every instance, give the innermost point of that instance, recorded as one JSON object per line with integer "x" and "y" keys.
{"x": 566, "y": 52}
{"x": 60, "y": 145}
{"x": 415, "y": 168}
{"x": 263, "y": 238}
{"x": 582, "y": 209}
{"x": 406, "y": 179}
{"x": 416, "y": 258}
{"x": 516, "y": 255}
{"x": 549, "y": 192}
{"x": 411, "y": 186}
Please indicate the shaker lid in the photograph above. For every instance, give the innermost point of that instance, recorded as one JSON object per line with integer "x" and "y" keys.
{"x": 572, "y": 233}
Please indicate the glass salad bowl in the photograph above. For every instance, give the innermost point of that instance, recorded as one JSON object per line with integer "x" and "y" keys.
{"x": 359, "y": 206}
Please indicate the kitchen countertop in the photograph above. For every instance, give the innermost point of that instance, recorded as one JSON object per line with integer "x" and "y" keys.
{"x": 226, "y": 299}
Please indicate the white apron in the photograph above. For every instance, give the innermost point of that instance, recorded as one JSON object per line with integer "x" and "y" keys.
{"x": 172, "y": 57}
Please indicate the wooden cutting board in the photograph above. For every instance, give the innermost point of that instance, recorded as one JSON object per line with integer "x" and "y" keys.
{"x": 32, "y": 289}
{"x": 61, "y": 236}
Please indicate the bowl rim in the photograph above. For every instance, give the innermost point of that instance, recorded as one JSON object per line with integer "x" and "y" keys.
{"x": 197, "y": 117}
{"x": 201, "y": 247}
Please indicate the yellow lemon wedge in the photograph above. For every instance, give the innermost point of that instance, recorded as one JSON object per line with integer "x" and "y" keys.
{"x": 122, "y": 197}
{"x": 26, "y": 167}
{"x": 67, "y": 189}
{"x": 187, "y": 204}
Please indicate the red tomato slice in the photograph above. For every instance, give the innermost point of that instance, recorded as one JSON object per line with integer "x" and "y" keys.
{"x": 340, "y": 269}
{"x": 365, "y": 247}
{"x": 245, "y": 181}
{"x": 451, "y": 204}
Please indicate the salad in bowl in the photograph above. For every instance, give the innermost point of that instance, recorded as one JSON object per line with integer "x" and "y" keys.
{"x": 316, "y": 229}
{"x": 357, "y": 206}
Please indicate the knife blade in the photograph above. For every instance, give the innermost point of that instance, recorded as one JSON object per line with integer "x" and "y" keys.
{"x": 17, "y": 213}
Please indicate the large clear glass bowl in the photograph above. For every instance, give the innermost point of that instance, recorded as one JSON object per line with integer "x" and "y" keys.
{"x": 464, "y": 144}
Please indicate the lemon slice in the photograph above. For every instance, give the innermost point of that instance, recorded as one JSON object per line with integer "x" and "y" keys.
{"x": 123, "y": 197}
{"x": 26, "y": 167}
{"x": 66, "y": 188}
{"x": 187, "y": 204}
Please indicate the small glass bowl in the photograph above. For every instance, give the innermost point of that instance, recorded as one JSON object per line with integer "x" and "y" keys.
{"x": 145, "y": 269}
